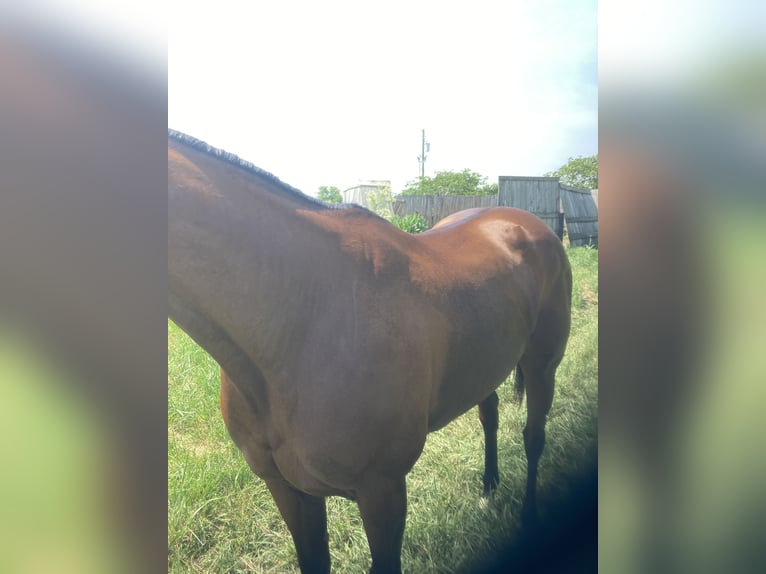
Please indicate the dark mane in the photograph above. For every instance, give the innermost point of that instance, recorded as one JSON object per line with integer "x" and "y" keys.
{"x": 234, "y": 160}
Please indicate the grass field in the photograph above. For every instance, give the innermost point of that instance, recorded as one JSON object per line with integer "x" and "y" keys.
{"x": 221, "y": 517}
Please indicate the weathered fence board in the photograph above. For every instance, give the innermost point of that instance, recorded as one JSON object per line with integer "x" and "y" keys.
{"x": 539, "y": 195}
{"x": 580, "y": 214}
{"x": 436, "y": 207}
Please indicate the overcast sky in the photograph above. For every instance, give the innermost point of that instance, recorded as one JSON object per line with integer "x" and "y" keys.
{"x": 333, "y": 92}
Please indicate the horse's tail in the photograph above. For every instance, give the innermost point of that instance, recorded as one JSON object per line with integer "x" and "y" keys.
{"x": 518, "y": 387}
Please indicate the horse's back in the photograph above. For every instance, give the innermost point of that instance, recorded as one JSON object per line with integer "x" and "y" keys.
{"x": 488, "y": 242}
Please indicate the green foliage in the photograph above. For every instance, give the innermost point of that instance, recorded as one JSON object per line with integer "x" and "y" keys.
{"x": 380, "y": 201}
{"x": 579, "y": 172}
{"x": 330, "y": 194}
{"x": 489, "y": 189}
{"x": 412, "y": 223}
{"x": 465, "y": 182}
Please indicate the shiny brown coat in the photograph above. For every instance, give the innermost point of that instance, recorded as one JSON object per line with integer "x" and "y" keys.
{"x": 343, "y": 341}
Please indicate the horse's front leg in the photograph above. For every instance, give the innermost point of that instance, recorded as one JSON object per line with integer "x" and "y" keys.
{"x": 306, "y": 518}
{"x": 383, "y": 507}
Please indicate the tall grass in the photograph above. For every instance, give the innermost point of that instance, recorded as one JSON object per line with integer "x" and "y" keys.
{"x": 221, "y": 517}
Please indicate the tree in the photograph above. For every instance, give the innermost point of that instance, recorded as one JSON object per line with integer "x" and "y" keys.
{"x": 380, "y": 201}
{"x": 330, "y": 194}
{"x": 464, "y": 182}
{"x": 579, "y": 172}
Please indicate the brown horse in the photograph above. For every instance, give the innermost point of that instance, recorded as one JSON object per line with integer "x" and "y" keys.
{"x": 343, "y": 341}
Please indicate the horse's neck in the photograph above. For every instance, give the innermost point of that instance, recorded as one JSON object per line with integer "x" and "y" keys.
{"x": 244, "y": 273}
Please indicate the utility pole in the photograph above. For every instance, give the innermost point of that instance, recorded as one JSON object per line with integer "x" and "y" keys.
{"x": 424, "y": 147}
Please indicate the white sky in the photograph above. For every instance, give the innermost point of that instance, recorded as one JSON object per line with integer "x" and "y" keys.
{"x": 333, "y": 92}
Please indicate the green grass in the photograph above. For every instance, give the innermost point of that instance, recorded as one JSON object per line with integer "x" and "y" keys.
{"x": 221, "y": 517}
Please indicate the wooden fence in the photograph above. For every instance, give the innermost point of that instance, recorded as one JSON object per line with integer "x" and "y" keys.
{"x": 558, "y": 205}
{"x": 539, "y": 195}
{"x": 581, "y": 215}
{"x": 436, "y": 207}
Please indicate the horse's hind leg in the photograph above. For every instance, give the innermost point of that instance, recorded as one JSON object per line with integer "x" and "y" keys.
{"x": 306, "y": 518}
{"x": 538, "y": 374}
{"x": 489, "y": 419}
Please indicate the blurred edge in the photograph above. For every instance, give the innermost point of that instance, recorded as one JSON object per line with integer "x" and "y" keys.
{"x": 682, "y": 158}
{"x": 83, "y": 217}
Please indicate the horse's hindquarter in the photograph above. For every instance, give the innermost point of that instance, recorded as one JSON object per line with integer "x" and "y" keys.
{"x": 492, "y": 272}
